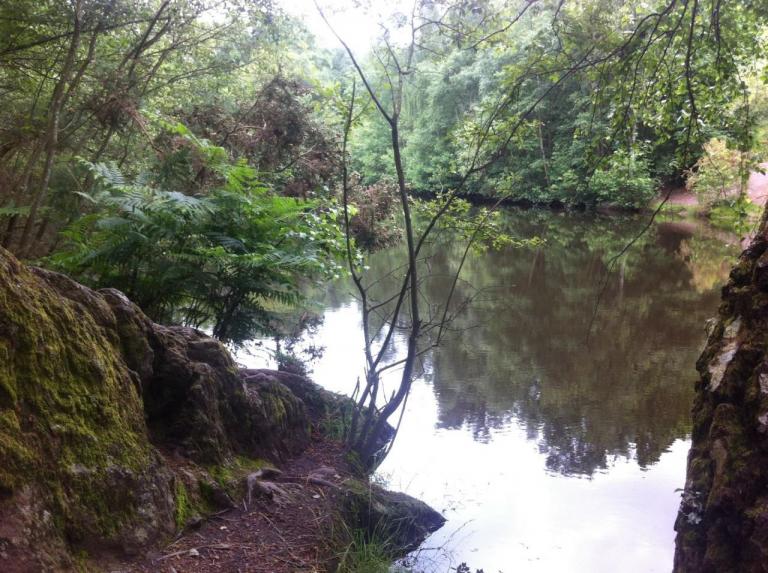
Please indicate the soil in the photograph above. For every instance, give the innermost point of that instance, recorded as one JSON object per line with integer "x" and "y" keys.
{"x": 292, "y": 534}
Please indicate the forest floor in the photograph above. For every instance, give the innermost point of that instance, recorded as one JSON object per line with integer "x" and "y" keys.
{"x": 298, "y": 531}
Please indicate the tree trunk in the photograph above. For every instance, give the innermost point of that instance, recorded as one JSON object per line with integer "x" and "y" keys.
{"x": 722, "y": 524}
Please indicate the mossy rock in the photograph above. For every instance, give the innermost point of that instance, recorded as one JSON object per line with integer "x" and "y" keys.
{"x": 328, "y": 411}
{"x": 90, "y": 392}
{"x": 77, "y": 462}
{"x": 396, "y": 520}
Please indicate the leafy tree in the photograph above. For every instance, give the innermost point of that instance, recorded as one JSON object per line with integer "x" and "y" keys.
{"x": 575, "y": 83}
{"x": 623, "y": 180}
{"x": 83, "y": 78}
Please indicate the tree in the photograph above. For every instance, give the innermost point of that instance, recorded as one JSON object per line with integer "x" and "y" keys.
{"x": 78, "y": 78}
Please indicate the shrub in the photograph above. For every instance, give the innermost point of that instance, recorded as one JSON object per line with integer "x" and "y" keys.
{"x": 228, "y": 258}
{"x": 373, "y": 223}
{"x": 624, "y": 180}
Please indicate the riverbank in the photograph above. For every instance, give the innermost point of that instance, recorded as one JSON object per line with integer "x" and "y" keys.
{"x": 283, "y": 526}
{"x": 757, "y": 191}
{"x": 306, "y": 516}
{"x": 119, "y": 435}
{"x": 678, "y": 199}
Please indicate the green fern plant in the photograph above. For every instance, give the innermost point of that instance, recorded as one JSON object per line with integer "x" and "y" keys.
{"x": 227, "y": 259}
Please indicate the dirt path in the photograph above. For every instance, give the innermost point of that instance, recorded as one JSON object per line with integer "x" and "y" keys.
{"x": 757, "y": 190}
{"x": 289, "y": 533}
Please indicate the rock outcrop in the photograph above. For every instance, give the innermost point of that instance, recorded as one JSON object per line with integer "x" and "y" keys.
{"x": 115, "y": 431}
{"x": 90, "y": 388}
{"x": 722, "y": 524}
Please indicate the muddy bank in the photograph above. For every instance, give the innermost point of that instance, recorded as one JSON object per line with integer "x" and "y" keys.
{"x": 116, "y": 433}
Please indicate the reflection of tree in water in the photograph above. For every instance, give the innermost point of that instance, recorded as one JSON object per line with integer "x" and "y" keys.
{"x": 627, "y": 392}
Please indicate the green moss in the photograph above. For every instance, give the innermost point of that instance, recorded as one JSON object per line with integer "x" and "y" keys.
{"x": 249, "y": 465}
{"x": 8, "y": 394}
{"x": 80, "y": 561}
{"x": 358, "y": 487}
{"x": 207, "y": 493}
{"x": 222, "y": 474}
{"x": 209, "y": 500}
{"x": 275, "y": 407}
{"x": 230, "y": 474}
{"x": 17, "y": 457}
{"x": 183, "y": 508}
{"x": 70, "y": 416}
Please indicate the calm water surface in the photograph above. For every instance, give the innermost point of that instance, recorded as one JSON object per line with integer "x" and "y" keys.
{"x": 550, "y": 445}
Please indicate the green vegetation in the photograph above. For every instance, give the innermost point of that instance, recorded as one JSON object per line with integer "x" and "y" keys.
{"x": 629, "y": 118}
{"x": 183, "y": 509}
{"x": 71, "y": 423}
{"x": 720, "y": 175}
{"x": 224, "y": 256}
{"x": 230, "y": 474}
{"x": 188, "y": 153}
{"x": 364, "y": 555}
{"x": 212, "y": 161}
{"x": 168, "y": 149}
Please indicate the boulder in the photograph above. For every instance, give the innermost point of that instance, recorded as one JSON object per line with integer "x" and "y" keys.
{"x": 328, "y": 409}
{"x": 402, "y": 522}
{"x": 77, "y": 465}
{"x": 115, "y": 431}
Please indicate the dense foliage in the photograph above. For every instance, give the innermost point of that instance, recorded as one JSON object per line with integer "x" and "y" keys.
{"x": 214, "y": 224}
{"x": 587, "y": 102}
{"x": 578, "y": 103}
{"x": 228, "y": 258}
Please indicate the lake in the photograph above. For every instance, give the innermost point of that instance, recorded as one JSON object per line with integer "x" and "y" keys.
{"x": 551, "y": 427}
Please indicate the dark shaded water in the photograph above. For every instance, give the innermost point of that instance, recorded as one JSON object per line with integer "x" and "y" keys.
{"x": 551, "y": 430}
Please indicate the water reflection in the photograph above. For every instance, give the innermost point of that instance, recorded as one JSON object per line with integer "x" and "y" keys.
{"x": 588, "y": 380}
{"x": 538, "y": 388}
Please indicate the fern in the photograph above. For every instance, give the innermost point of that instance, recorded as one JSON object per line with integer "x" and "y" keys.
{"x": 231, "y": 258}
